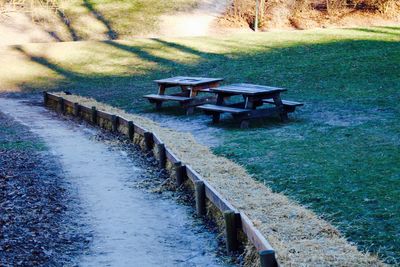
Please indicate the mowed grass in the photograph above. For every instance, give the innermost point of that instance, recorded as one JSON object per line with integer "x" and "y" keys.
{"x": 339, "y": 154}
{"x": 10, "y": 137}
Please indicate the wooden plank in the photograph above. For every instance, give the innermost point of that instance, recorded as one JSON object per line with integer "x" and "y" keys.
{"x": 188, "y": 81}
{"x": 139, "y": 130}
{"x": 284, "y": 102}
{"x": 219, "y": 201}
{"x": 85, "y": 109}
{"x": 156, "y": 97}
{"x": 171, "y": 156}
{"x": 68, "y": 103}
{"x": 223, "y": 109}
{"x": 52, "y": 97}
{"x": 156, "y": 140}
{"x": 104, "y": 115}
{"x": 253, "y": 234}
{"x": 193, "y": 175}
{"x": 247, "y": 89}
{"x": 122, "y": 121}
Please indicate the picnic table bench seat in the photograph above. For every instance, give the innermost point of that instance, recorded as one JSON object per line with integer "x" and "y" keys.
{"x": 156, "y": 97}
{"x": 222, "y": 109}
{"x": 290, "y": 106}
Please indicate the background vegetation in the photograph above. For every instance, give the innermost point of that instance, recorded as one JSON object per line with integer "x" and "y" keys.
{"x": 297, "y": 13}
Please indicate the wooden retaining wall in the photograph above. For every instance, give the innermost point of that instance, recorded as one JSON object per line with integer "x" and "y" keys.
{"x": 236, "y": 223}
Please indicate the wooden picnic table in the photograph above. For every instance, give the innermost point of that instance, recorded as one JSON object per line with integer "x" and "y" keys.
{"x": 254, "y": 96}
{"x": 190, "y": 89}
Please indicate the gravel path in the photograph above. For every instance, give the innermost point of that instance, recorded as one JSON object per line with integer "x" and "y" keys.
{"x": 128, "y": 224}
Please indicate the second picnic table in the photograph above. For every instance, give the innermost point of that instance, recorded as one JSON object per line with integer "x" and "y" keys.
{"x": 190, "y": 88}
{"x": 254, "y": 96}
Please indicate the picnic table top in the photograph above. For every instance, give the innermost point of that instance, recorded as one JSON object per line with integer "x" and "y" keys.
{"x": 188, "y": 81}
{"x": 247, "y": 89}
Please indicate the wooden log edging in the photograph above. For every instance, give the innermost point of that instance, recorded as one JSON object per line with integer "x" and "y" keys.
{"x": 234, "y": 220}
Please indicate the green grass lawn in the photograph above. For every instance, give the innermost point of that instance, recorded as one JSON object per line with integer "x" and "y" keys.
{"x": 339, "y": 154}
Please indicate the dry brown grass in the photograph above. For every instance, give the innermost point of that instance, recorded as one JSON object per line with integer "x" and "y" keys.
{"x": 301, "y": 14}
{"x": 299, "y": 236}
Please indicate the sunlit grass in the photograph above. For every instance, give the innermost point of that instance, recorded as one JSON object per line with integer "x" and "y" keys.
{"x": 126, "y": 18}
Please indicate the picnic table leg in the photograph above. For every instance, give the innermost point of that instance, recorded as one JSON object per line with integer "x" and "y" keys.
{"x": 189, "y": 110}
{"x": 216, "y": 117}
{"x": 244, "y": 124}
{"x": 193, "y": 94}
{"x": 161, "y": 89}
{"x": 220, "y": 101}
{"x": 158, "y": 105}
{"x": 248, "y": 104}
{"x": 281, "y": 109}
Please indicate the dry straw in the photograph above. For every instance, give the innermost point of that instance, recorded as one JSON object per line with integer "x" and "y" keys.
{"x": 298, "y": 235}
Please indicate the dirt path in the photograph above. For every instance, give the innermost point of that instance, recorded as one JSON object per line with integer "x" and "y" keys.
{"x": 130, "y": 225}
{"x": 198, "y": 22}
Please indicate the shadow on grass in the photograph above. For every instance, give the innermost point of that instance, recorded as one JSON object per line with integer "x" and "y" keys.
{"x": 112, "y": 35}
{"x": 346, "y": 172}
{"x": 66, "y": 21}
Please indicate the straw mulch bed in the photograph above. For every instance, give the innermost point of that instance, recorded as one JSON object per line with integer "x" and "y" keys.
{"x": 298, "y": 235}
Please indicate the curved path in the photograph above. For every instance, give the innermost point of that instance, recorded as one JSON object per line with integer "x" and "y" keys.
{"x": 131, "y": 227}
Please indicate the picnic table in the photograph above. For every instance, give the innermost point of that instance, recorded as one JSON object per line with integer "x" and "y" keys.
{"x": 188, "y": 96}
{"x": 254, "y": 96}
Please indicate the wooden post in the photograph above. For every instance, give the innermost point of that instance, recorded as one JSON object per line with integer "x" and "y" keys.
{"x": 45, "y": 98}
{"x": 76, "y": 109}
{"x": 200, "y": 195}
{"x": 131, "y": 130}
{"x": 267, "y": 258}
{"x": 178, "y": 172}
{"x": 94, "y": 115}
{"x": 161, "y": 156}
{"x": 230, "y": 231}
{"x": 148, "y": 140}
{"x": 256, "y": 17}
{"x": 114, "y": 121}
{"x": 60, "y": 105}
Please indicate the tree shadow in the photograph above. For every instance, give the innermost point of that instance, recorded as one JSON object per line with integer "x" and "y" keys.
{"x": 70, "y": 75}
{"x": 66, "y": 21}
{"x": 112, "y": 35}
{"x": 379, "y": 30}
